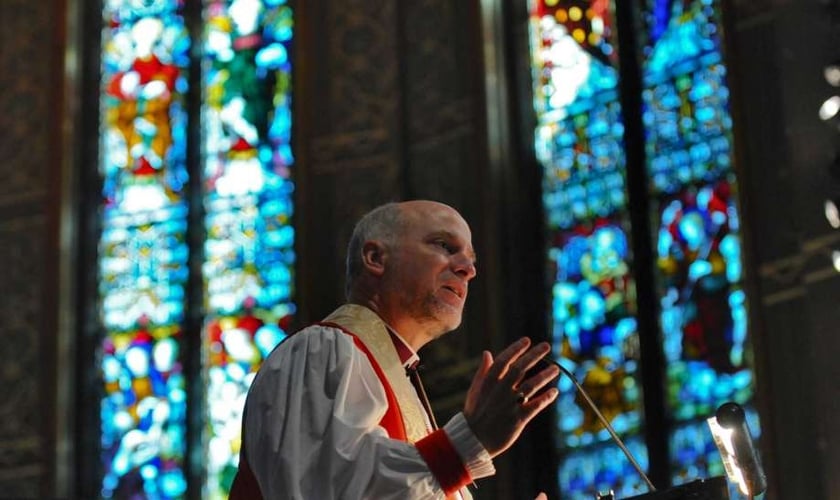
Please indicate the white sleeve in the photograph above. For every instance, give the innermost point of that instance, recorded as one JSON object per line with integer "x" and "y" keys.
{"x": 312, "y": 426}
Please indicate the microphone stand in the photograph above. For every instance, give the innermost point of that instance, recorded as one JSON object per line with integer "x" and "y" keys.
{"x": 604, "y": 421}
{"x": 699, "y": 489}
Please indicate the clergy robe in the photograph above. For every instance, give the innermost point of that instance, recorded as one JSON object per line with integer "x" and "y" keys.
{"x": 317, "y": 423}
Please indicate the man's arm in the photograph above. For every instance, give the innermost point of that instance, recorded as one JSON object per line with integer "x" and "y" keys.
{"x": 312, "y": 429}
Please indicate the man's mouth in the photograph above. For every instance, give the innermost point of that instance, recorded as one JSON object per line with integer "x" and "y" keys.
{"x": 460, "y": 292}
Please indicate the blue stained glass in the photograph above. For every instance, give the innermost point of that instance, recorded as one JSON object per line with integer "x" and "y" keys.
{"x": 578, "y": 142}
{"x": 249, "y": 249}
{"x": 142, "y": 249}
{"x": 695, "y": 456}
{"x": 594, "y": 333}
{"x": 685, "y": 97}
{"x": 602, "y": 468}
{"x": 703, "y": 306}
{"x": 688, "y": 145}
{"x": 688, "y": 150}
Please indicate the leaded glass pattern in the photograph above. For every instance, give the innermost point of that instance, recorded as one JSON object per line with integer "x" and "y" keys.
{"x": 249, "y": 258}
{"x": 143, "y": 252}
{"x": 604, "y": 468}
{"x": 595, "y": 333}
{"x": 703, "y": 306}
{"x": 578, "y": 142}
{"x": 249, "y": 255}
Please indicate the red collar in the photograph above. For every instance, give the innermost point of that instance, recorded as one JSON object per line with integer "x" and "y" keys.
{"x": 408, "y": 357}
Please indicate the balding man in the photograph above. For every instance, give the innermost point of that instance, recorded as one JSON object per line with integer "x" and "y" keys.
{"x": 332, "y": 412}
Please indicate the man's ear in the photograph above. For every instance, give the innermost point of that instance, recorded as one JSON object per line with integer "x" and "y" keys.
{"x": 374, "y": 255}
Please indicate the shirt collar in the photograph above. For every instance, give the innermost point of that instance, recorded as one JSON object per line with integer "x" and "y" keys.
{"x": 408, "y": 357}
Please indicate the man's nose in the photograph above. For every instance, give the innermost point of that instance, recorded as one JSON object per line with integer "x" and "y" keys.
{"x": 464, "y": 266}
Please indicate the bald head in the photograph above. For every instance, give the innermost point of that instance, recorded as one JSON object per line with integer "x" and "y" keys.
{"x": 411, "y": 263}
{"x": 384, "y": 223}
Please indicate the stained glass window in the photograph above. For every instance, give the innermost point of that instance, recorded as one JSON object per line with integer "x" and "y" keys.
{"x": 698, "y": 248}
{"x": 578, "y": 143}
{"x": 144, "y": 252}
{"x": 693, "y": 192}
{"x": 249, "y": 254}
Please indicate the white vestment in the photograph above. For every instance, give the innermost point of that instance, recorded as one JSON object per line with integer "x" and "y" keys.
{"x": 312, "y": 420}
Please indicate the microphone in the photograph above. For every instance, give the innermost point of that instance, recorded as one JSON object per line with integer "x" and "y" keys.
{"x": 736, "y": 448}
{"x": 603, "y": 421}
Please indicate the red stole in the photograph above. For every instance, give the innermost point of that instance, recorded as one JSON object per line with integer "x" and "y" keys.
{"x": 245, "y": 485}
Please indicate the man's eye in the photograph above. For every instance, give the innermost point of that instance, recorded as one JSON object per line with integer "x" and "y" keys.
{"x": 443, "y": 244}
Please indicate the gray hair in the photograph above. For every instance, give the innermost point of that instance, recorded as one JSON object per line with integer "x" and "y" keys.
{"x": 383, "y": 223}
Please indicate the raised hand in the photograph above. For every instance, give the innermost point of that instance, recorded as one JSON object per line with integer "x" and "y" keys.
{"x": 501, "y": 401}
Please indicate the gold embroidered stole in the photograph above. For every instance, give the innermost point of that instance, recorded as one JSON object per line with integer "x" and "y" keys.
{"x": 366, "y": 325}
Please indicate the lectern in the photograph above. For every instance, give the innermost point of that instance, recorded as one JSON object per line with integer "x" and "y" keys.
{"x": 714, "y": 488}
{"x": 700, "y": 489}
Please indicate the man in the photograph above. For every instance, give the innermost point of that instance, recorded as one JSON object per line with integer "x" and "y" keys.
{"x": 332, "y": 414}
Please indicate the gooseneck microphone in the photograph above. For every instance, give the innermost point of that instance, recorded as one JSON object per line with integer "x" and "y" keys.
{"x": 603, "y": 420}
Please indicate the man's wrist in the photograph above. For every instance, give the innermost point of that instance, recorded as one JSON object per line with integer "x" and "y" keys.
{"x": 475, "y": 457}
{"x": 443, "y": 461}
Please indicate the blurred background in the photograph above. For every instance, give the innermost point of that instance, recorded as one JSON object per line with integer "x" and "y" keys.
{"x": 651, "y": 184}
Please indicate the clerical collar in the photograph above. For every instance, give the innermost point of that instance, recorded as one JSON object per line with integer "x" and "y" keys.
{"x": 408, "y": 357}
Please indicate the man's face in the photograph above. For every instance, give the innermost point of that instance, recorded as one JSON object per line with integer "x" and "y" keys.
{"x": 428, "y": 271}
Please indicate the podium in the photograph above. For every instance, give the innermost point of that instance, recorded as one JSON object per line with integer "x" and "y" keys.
{"x": 714, "y": 488}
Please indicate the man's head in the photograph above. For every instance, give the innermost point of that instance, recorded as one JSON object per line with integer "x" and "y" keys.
{"x": 411, "y": 262}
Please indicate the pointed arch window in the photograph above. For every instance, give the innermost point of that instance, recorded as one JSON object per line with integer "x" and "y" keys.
{"x": 692, "y": 270}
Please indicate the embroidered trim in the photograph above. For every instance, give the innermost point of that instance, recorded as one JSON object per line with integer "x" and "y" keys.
{"x": 392, "y": 421}
{"x": 368, "y": 327}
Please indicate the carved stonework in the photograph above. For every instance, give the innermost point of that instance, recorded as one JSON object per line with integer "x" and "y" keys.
{"x": 350, "y": 149}
{"x": 21, "y": 253}
{"x": 437, "y": 65}
{"x": 25, "y": 71}
{"x": 31, "y": 68}
{"x": 746, "y": 10}
{"x": 355, "y": 81}
{"x": 440, "y": 101}
{"x": 789, "y": 278}
{"x": 392, "y": 105}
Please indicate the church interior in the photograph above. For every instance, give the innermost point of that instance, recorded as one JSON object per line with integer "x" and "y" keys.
{"x": 652, "y": 187}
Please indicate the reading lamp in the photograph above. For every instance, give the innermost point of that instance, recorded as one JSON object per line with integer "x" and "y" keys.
{"x": 732, "y": 437}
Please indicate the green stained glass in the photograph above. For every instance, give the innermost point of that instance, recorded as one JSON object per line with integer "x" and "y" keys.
{"x": 249, "y": 251}
{"x": 246, "y": 176}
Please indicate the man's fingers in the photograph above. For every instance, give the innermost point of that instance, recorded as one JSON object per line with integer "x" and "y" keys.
{"x": 517, "y": 370}
{"x": 536, "y": 382}
{"x": 481, "y": 372}
{"x": 484, "y": 366}
{"x": 538, "y": 403}
{"x": 507, "y": 356}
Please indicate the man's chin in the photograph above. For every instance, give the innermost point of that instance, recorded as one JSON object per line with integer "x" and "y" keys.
{"x": 452, "y": 323}
{"x": 446, "y": 317}
{"x": 444, "y": 325}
